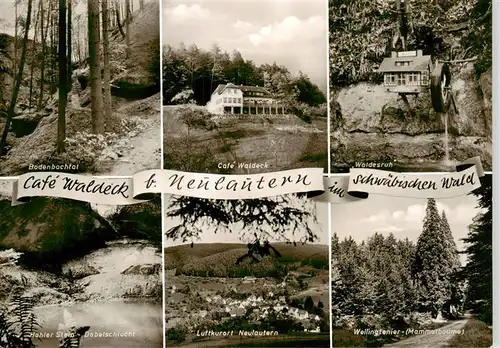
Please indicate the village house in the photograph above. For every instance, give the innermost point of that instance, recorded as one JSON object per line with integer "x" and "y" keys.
{"x": 237, "y": 312}
{"x": 406, "y": 72}
{"x": 249, "y": 100}
{"x": 248, "y": 280}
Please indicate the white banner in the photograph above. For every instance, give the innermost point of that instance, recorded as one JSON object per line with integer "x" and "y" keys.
{"x": 359, "y": 184}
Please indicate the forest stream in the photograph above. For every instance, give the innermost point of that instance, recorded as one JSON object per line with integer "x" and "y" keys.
{"x": 140, "y": 321}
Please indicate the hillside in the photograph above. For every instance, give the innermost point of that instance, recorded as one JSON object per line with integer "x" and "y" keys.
{"x": 208, "y": 291}
{"x": 143, "y": 64}
{"x": 370, "y": 124}
{"x": 200, "y": 142}
{"x": 218, "y": 260}
{"x": 135, "y": 111}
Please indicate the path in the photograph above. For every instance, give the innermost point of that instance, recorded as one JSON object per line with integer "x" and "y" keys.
{"x": 144, "y": 153}
{"x": 432, "y": 340}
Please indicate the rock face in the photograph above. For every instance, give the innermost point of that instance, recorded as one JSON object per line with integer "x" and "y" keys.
{"x": 79, "y": 271}
{"x": 126, "y": 270}
{"x": 26, "y": 124}
{"x": 371, "y": 125}
{"x": 50, "y": 231}
{"x": 145, "y": 269}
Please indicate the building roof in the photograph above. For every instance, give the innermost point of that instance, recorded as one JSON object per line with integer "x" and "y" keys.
{"x": 245, "y": 89}
{"x": 417, "y": 62}
{"x": 255, "y": 89}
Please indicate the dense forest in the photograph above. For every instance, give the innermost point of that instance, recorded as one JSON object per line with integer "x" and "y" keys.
{"x": 72, "y": 59}
{"x": 384, "y": 282}
{"x": 192, "y": 73}
{"x": 363, "y": 32}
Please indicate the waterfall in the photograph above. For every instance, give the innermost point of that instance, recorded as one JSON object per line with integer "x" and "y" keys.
{"x": 446, "y": 145}
{"x": 447, "y": 160}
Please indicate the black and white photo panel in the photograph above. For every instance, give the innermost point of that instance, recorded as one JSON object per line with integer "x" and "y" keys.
{"x": 80, "y": 86}
{"x": 410, "y": 84}
{"x": 409, "y": 272}
{"x": 244, "y": 85}
{"x": 75, "y": 274}
{"x": 246, "y": 273}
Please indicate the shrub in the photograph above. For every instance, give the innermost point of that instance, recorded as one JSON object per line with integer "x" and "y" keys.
{"x": 82, "y": 149}
{"x": 176, "y": 335}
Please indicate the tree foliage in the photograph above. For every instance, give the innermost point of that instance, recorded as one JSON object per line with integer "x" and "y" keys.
{"x": 362, "y": 33}
{"x": 191, "y": 68}
{"x": 479, "y": 268}
{"x": 288, "y": 218}
{"x": 436, "y": 261}
{"x": 393, "y": 279}
{"x": 373, "y": 276}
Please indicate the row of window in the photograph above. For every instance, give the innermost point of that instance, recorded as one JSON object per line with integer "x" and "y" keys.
{"x": 256, "y": 94}
{"x": 258, "y": 101}
{"x": 407, "y": 79}
{"x": 228, "y": 100}
{"x": 403, "y": 63}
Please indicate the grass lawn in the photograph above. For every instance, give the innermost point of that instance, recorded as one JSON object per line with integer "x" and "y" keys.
{"x": 289, "y": 341}
{"x": 476, "y": 334}
{"x": 347, "y": 338}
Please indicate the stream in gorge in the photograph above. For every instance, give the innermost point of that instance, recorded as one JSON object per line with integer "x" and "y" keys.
{"x": 140, "y": 323}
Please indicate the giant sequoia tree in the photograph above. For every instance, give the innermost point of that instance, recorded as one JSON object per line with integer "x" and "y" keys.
{"x": 435, "y": 261}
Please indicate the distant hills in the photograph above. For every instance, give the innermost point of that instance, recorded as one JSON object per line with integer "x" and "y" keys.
{"x": 219, "y": 260}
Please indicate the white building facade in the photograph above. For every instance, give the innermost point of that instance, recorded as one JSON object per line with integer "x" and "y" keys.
{"x": 253, "y": 100}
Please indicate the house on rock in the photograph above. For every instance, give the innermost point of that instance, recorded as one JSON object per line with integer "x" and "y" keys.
{"x": 406, "y": 72}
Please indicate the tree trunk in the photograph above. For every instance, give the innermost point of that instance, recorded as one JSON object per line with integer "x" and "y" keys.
{"x": 78, "y": 50}
{"x": 63, "y": 78}
{"x": 34, "y": 54}
{"x": 18, "y": 80}
{"x": 42, "y": 63}
{"x": 95, "y": 67}
{"x": 141, "y": 5}
{"x": 53, "y": 49}
{"x": 118, "y": 21}
{"x": 70, "y": 45}
{"x": 14, "y": 61}
{"x": 105, "y": 49}
{"x": 127, "y": 27}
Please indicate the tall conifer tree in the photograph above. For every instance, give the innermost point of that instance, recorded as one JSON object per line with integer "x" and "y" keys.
{"x": 432, "y": 268}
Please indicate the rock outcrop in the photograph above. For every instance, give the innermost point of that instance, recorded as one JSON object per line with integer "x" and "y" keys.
{"x": 144, "y": 269}
{"x": 49, "y": 231}
{"x": 371, "y": 125}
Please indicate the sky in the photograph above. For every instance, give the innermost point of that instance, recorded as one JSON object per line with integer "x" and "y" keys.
{"x": 292, "y": 33}
{"x": 321, "y": 229}
{"x": 401, "y": 216}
